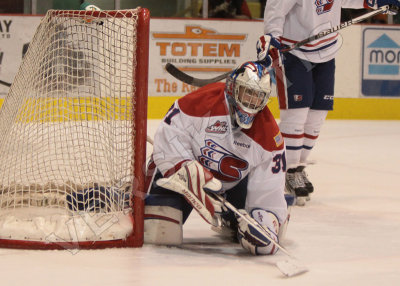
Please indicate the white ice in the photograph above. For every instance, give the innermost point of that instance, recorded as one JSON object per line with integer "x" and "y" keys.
{"x": 348, "y": 234}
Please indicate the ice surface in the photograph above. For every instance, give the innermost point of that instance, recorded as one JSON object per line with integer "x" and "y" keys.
{"x": 348, "y": 234}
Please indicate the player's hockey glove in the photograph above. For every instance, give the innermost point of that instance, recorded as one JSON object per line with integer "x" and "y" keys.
{"x": 393, "y": 5}
{"x": 193, "y": 182}
{"x": 268, "y": 50}
{"x": 251, "y": 239}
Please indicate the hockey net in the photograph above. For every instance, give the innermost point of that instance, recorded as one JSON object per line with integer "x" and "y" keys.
{"x": 73, "y": 134}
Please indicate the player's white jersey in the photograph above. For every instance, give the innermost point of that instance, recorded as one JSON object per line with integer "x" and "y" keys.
{"x": 198, "y": 127}
{"x": 296, "y": 20}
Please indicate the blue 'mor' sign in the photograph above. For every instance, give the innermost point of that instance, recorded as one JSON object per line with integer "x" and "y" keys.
{"x": 381, "y": 61}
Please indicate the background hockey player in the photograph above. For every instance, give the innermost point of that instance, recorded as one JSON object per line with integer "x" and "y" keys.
{"x": 307, "y": 87}
{"x": 223, "y": 139}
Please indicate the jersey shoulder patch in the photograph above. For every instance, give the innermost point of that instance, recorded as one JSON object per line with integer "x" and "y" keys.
{"x": 207, "y": 101}
{"x": 265, "y": 131}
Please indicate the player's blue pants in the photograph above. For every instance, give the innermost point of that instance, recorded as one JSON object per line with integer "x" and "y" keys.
{"x": 306, "y": 84}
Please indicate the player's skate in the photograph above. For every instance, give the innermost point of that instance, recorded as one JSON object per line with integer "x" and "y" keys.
{"x": 295, "y": 185}
{"x": 307, "y": 183}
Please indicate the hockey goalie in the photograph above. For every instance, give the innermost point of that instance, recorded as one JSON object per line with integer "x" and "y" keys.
{"x": 221, "y": 139}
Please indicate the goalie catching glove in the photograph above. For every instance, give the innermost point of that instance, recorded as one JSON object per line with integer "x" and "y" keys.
{"x": 251, "y": 239}
{"x": 193, "y": 181}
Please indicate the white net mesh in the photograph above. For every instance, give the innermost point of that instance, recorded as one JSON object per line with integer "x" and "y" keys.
{"x": 66, "y": 125}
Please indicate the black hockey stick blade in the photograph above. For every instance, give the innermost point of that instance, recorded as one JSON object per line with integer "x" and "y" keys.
{"x": 177, "y": 73}
{"x": 5, "y": 83}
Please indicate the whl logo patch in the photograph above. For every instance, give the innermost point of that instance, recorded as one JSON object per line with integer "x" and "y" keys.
{"x": 218, "y": 127}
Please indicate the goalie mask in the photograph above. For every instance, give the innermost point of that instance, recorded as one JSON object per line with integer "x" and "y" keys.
{"x": 248, "y": 89}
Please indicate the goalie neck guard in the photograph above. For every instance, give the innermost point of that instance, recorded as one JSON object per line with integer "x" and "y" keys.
{"x": 248, "y": 89}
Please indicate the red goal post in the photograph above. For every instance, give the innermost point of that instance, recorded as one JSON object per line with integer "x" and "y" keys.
{"x": 73, "y": 134}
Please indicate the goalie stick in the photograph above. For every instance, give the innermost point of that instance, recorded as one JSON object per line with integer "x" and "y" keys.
{"x": 184, "y": 77}
{"x": 289, "y": 267}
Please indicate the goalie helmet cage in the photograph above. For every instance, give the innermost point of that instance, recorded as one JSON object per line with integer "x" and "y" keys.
{"x": 73, "y": 134}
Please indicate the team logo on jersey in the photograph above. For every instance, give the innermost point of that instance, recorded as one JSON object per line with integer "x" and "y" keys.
{"x": 223, "y": 164}
{"x": 218, "y": 127}
{"x": 323, "y": 6}
{"x": 297, "y": 97}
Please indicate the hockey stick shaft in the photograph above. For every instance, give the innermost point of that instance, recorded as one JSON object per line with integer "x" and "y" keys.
{"x": 184, "y": 77}
{"x": 343, "y": 25}
{"x": 5, "y": 83}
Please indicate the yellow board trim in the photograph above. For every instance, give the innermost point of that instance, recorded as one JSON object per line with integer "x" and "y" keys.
{"x": 74, "y": 109}
{"x": 159, "y": 105}
{"x": 344, "y": 108}
{"x": 366, "y": 109}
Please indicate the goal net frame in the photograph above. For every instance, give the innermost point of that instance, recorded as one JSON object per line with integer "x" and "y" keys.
{"x": 134, "y": 215}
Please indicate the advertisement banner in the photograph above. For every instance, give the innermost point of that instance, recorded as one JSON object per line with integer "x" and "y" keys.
{"x": 380, "y": 61}
{"x": 202, "y": 48}
{"x": 15, "y": 35}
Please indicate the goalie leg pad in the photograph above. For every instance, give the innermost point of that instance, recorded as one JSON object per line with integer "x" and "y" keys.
{"x": 163, "y": 220}
{"x": 251, "y": 239}
{"x": 194, "y": 183}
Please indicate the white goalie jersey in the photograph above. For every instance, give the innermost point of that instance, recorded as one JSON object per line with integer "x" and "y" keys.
{"x": 198, "y": 127}
{"x": 296, "y": 20}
